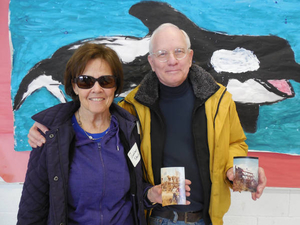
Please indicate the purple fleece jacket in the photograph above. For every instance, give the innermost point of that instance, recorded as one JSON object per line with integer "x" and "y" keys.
{"x": 45, "y": 192}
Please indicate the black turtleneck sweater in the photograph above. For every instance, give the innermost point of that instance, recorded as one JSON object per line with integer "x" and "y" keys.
{"x": 176, "y": 105}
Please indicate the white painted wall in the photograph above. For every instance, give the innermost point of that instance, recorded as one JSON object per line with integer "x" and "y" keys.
{"x": 9, "y": 202}
{"x": 277, "y": 206}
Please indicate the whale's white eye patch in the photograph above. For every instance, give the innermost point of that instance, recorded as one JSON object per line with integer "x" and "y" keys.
{"x": 239, "y": 60}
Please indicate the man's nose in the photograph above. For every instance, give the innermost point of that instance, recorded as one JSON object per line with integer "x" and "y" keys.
{"x": 172, "y": 58}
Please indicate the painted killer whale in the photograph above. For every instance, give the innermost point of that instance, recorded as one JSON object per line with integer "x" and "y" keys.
{"x": 266, "y": 81}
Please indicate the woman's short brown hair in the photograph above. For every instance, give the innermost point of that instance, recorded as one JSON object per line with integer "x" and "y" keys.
{"x": 78, "y": 61}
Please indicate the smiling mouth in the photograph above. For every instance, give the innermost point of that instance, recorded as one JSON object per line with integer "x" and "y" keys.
{"x": 96, "y": 99}
{"x": 172, "y": 71}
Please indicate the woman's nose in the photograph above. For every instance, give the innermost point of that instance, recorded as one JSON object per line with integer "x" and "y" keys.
{"x": 97, "y": 87}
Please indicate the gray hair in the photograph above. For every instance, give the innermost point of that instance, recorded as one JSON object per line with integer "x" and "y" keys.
{"x": 163, "y": 26}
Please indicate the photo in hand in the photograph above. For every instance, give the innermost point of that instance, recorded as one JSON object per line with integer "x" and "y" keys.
{"x": 173, "y": 186}
{"x": 245, "y": 172}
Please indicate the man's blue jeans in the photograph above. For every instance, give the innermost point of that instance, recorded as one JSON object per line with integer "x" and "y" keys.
{"x": 163, "y": 221}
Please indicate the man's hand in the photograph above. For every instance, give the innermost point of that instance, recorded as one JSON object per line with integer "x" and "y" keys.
{"x": 34, "y": 136}
{"x": 154, "y": 193}
{"x": 262, "y": 182}
{"x": 229, "y": 174}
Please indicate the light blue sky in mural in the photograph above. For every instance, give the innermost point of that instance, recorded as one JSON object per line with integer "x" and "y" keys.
{"x": 38, "y": 28}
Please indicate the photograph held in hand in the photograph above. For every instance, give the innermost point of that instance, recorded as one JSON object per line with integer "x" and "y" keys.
{"x": 173, "y": 186}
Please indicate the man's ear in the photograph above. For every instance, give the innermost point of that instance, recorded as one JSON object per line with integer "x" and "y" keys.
{"x": 191, "y": 54}
{"x": 150, "y": 60}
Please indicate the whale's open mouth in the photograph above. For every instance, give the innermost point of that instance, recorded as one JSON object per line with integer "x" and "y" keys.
{"x": 282, "y": 86}
{"x": 241, "y": 60}
{"x": 258, "y": 91}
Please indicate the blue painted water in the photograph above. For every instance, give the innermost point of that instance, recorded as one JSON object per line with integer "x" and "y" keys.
{"x": 38, "y": 28}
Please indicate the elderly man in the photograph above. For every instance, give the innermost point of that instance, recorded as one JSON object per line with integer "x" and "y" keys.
{"x": 187, "y": 120}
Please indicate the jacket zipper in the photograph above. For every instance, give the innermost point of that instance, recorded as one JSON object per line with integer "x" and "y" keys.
{"x": 102, "y": 164}
{"x": 219, "y": 106}
{"x": 137, "y": 116}
{"x": 62, "y": 174}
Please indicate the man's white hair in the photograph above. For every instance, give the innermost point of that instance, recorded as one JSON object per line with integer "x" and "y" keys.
{"x": 166, "y": 25}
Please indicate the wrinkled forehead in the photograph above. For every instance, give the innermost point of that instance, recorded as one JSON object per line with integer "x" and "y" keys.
{"x": 168, "y": 38}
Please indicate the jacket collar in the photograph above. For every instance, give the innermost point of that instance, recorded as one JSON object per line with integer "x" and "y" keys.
{"x": 61, "y": 113}
{"x": 202, "y": 82}
{"x": 57, "y": 115}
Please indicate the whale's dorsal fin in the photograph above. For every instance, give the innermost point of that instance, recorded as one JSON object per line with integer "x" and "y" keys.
{"x": 153, "y": 14}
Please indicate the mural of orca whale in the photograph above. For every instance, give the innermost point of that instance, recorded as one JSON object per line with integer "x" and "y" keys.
{"x": 264, "y": 81}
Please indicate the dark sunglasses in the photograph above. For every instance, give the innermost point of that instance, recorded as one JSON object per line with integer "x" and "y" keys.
{"x": 86, "y": 82}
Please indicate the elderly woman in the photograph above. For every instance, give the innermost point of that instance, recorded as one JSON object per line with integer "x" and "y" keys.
{"x": 89, "y": 169}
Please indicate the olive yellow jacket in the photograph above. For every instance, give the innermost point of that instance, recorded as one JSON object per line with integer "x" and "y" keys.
{"x": 226, "y": 139}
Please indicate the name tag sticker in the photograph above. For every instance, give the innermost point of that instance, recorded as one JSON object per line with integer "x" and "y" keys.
{"x": 134, "y": 155}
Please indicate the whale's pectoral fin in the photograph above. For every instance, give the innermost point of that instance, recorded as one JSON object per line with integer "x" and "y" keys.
{"x": 248, "y": 114}
{"x": 57, "y": 92}
{"x": 42, "y": 81}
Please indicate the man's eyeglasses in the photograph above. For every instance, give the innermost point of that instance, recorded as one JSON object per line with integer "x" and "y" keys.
{"x": 86, "y": 82}
{"x": 163, "y": 55}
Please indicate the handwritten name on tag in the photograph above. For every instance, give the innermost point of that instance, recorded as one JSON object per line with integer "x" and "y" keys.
{"x": 134, "y": 155}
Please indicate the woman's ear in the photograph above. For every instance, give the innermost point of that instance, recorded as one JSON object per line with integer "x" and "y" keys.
{"x": 75, "y": 88}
